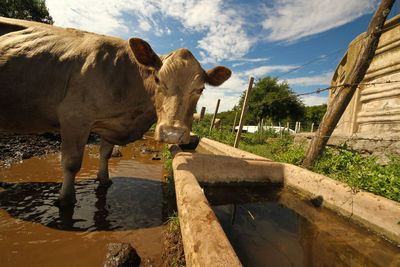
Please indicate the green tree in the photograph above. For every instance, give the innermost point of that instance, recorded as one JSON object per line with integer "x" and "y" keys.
{"x": 35, "y": 10}
{"x": 273, "y": 100}
{"x": 314, "y": 114}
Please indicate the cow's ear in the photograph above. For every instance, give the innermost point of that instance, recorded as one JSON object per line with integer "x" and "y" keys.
{"x": 218, "y": 75}
{"x": 144, "y": 53}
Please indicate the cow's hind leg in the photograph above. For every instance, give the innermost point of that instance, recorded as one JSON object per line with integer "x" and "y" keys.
{"x": 72, "y": 148}
{"x": 105, "y": 153}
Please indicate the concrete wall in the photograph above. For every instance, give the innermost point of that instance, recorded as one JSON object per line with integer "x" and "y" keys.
{"x": 374, "y": 110}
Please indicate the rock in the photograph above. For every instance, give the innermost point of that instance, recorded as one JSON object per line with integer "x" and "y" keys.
{"x": 121, "y": 255}
{"x": 156, "y": 157}
{"x": 116, "y": 154}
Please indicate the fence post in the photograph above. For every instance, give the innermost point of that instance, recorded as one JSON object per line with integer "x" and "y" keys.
{"x": 234, "y": 123}
{"x": 280, "y": 130}
{"x": 312, "y": 127}
{"x": 215, "y": 115}
{"x": 299, "y": 128}
{"x": 295, "y": 127}
{"x": 287, "y": 127}
{"x": 202, "y": 112}
{"x": 244, "y": 110}
{"x": 262, "y": 126}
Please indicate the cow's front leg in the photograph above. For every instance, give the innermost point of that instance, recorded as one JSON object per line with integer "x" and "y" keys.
{"x": 105, "y": 153}
{"x": 72, "y": 147}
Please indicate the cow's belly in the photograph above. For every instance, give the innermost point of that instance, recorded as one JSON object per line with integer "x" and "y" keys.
{"x": 120, "y": 131}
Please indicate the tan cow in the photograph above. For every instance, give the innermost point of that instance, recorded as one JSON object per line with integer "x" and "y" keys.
{"x": 53, "y": 78}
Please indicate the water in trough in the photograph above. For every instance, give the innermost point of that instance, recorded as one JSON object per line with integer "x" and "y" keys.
{"x": 269, "y": 226}
{"x": 33, "y": 232}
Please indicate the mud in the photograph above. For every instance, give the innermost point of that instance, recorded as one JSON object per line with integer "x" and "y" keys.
{"x": 17, "y": 147}
{"x": 33, "y": 232}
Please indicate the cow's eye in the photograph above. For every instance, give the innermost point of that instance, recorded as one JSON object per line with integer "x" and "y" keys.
{"x": 156, "y": 80}
{"x": 199, "y": 91}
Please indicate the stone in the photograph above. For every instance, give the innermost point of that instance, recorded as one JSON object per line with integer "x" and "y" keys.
{"x": 121, "y": 255}
{"x": 116, "y": 154}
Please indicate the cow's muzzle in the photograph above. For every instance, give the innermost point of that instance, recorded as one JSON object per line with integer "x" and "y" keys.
{"x": 173, "y": 135}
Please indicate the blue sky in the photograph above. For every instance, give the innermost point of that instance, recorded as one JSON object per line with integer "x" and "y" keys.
{"x": 252, "y": 38}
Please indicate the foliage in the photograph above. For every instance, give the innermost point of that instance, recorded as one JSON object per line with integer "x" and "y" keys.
{"x": 314, "y": 114}
{"x": 35, "y": 10}
{"x": 361, "y": 172}
{"x": 262, "y": 102}
{"x": 167, "y": 160}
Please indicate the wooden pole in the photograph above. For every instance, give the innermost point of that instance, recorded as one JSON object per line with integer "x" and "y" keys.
{"x": 234, "y": 123}
{"x": 203, "y": 111}
{"x": 215, "y": 115}
{"x": 287, "y": 127}
{"x": 262, "y": 126}
{"x": 341, "y": 99}
{"x": 295, "y": 128}
{"x": 244, "y": 110}
{"x": 280, "y": 130}
{"x": 312, "y": 127}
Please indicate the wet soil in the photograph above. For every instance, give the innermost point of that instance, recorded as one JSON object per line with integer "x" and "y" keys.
{"x": 33, "y": 232}
{"x": 17, "y": 147}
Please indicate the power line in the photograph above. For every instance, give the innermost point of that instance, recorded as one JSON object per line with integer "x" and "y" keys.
{"x": 384, "y": 29}
{"x": 328, "y": 88}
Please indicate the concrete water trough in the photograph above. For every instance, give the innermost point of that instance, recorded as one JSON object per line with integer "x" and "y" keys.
{"x": 205, "y": 243}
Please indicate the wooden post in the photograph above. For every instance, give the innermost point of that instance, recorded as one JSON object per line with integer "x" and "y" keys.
{"x": 295, "y": 128}
{"x": 287, "y": 127}
{"x": 234, "y": 123}
{"x": 344, "y": 94}
{"x": 215, "y": 115}
{"x": 299, "y": 128}
{"x": 203, "y": 111}
{"x": 262, "y": 126}
{"x": 280, "y": 130}
{"x": 244, "y": 110}
{"x": 312, "y": 127}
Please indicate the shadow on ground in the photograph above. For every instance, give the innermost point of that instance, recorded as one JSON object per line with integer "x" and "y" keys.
{"x": 128, "y": 204}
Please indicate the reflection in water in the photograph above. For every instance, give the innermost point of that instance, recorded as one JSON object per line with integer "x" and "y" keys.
{"x": 128, "y": 204}
{"x": 286, "y": 231}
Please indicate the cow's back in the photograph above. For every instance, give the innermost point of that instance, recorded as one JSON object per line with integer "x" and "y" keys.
{"x": 38, "y": 64}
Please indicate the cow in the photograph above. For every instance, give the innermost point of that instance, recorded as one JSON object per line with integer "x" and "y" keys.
{"x": 76, "y": 82}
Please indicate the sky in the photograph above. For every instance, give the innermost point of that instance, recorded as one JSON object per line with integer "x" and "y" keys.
{"x": 278, "y": 38}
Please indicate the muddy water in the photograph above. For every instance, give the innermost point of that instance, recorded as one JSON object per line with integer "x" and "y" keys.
{"x": 273, "y": 227}
{"x": 33, "y": 232}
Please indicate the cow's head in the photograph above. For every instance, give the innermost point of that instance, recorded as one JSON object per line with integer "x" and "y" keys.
{"x": 179, "y": 80}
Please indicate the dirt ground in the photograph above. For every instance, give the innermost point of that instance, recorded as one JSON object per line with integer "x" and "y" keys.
{"x": 16, "y": 147}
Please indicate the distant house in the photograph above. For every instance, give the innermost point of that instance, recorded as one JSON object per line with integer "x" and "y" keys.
{"x": 253, "y": 129}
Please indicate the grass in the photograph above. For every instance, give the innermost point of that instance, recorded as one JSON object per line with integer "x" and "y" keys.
{"x": 339, "y": 163}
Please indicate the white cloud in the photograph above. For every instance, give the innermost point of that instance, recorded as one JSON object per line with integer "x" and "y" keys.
{"x": 314, "y": 100}
{"x": 263, "y": 70}
{"x": 210, "y": 97}
{"x": 223, "y": 28}
{"x": 323, "y": 79}
{"x": 291, "y": 20}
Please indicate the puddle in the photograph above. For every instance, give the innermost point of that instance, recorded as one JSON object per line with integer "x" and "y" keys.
{"x": 33, "y": 232}
{"x": 276, "y": 228}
